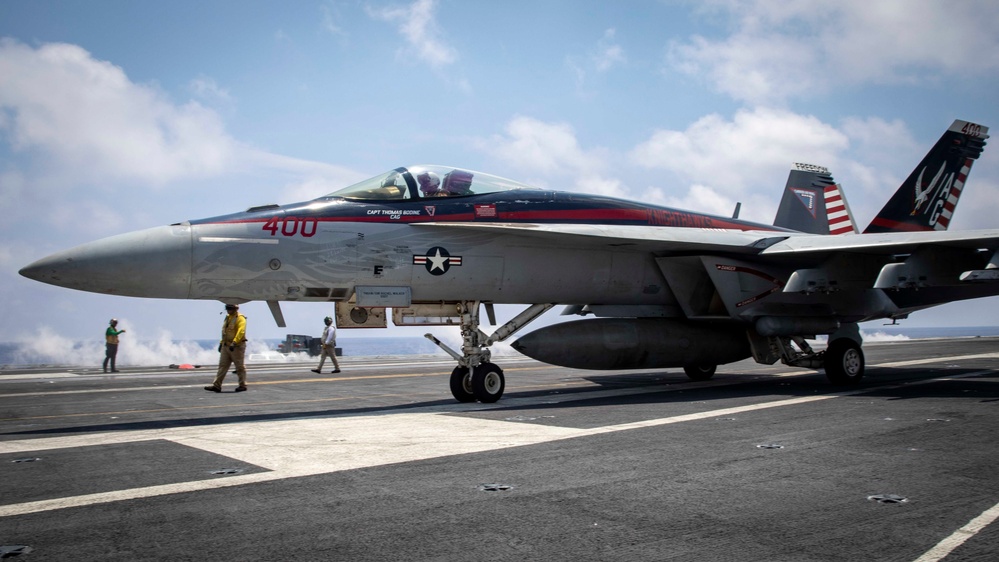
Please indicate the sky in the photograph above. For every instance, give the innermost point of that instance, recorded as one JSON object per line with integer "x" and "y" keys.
{"x": 120, "y": 115}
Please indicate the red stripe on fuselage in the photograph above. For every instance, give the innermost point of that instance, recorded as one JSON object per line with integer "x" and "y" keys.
{"x": 650, "y": 217}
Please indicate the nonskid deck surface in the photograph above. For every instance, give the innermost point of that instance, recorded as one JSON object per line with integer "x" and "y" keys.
{"x": 379, "y": 462}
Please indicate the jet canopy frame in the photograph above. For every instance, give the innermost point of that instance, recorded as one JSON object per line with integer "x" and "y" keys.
{"x": 425, "y": 182}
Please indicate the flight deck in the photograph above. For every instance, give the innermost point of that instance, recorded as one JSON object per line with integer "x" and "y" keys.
{"x": 378, "y": 462}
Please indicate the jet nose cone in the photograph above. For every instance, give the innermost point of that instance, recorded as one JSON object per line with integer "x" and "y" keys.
{"x": 147, "y": 263}
{"x": 37, "y": 271}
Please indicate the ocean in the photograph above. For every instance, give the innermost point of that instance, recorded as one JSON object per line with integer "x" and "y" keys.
{"x": 59, "y": 351}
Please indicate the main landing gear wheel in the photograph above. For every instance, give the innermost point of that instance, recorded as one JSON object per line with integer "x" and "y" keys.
{"x": 844, "y": 362}
{"x": 461, "y": 385}
{"x": 488, "y": 383}
{"x": 700, "y": 372}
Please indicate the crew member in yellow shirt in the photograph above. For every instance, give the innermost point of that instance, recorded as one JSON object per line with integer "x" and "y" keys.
{"x": 232, "y": 348}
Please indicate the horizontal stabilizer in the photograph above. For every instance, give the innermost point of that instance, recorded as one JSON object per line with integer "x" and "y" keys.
{"x": 981, "y": 275}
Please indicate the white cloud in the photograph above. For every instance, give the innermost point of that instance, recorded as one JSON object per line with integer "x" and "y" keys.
{"x": 81, "y": 131}
{"x": 977, "y": 206}
{"x": 888, "y": 148}
{"x": 331, "y": 19}
{"x": 550, "y": 150}
{"x": 309, "y": 179}
{"x": 419, "y": 28}
{"x": 789, "y": 48}
{"x": 538, "y": 146}
{"x": 87, "y": 218}
{"x": 698, "y": 198}
{"x": 85, "y": 115}
{"x": 609, "y": 53}
{"x": 606, "y": 55}
{"x": 716, "y": 162}
{"x": 208, "y": 89}
{"x": 316, "y": 186}
{"x": 14, "y": 187}
{"x": 752, "y": 149}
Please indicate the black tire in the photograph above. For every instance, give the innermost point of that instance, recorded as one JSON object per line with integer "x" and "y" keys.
{"x": 700, "y": 372}
{"x": 844, "y": 362}
{"x": 461, "y": 385}
{"x": 488, "y": 383}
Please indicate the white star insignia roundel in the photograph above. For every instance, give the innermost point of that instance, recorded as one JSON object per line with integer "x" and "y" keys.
{"x": 437, "y": 260}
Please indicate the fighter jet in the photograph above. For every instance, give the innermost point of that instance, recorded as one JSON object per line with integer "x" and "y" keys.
{"x": 666, "y": 287}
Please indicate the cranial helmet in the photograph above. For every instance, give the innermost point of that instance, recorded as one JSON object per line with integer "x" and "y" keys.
{"x": 429, "y": 183}
{"x": 458, "y": 182}
{"x": 328, "y": 320}
{"x": 114, "y": 321}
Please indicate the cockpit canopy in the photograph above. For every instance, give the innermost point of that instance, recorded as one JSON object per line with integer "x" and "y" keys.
{"x": 422, "y": 182}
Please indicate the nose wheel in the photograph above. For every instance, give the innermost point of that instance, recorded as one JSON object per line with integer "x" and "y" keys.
{"x": 485, "y": 383}
{"x": 475, "y": 377}
{"x": 488, "y": 383}
{"x": 461, "y": 385}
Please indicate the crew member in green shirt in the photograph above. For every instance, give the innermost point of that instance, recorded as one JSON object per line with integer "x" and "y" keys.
{"x": 111, "y": 344}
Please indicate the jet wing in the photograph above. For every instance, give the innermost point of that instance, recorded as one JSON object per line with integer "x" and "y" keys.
{"x": 757, "y": 242}
{"x": 883, "y": 243}
{"x": 893, "y": 260}
{"x": 890, "y": 260}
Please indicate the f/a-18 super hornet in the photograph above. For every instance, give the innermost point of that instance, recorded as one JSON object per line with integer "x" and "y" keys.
{"x": 667, "y": 288}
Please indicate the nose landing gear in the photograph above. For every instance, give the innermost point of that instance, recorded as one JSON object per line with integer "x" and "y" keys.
{"x": 475, "y": 377}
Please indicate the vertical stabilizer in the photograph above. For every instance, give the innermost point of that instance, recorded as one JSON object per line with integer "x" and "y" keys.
{"x": 813, "y": 203}
{"x": 928, "y": 197}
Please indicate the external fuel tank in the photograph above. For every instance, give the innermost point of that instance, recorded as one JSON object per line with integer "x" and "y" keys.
{"x": 635, "y": 343}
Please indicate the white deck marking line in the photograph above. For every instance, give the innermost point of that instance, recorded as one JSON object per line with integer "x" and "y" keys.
{"x": 302, "y": 447}
{"x": 253, "y": 383}
{"x": 363, "y": 377}
{"x": 939, "y": 360}
{"x": 714, "y": 413}
{"x": 39, "y": 376}
{"x": 946, "y": 546}
{"x": 306, "y": 447}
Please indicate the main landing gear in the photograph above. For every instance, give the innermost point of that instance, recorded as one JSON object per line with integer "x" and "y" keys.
{"x": 475, "y": 377}
{"x": 842, "y": 360}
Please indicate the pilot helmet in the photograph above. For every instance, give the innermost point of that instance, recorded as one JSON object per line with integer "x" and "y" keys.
{"x": 430, "y": 183}
{"x": 458, "y": 182}
{"x": 328, "y": 320}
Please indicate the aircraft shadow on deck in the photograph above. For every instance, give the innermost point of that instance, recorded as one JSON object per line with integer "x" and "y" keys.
{"x": 890, "y": 383}
{"x": 880, "y": 381}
